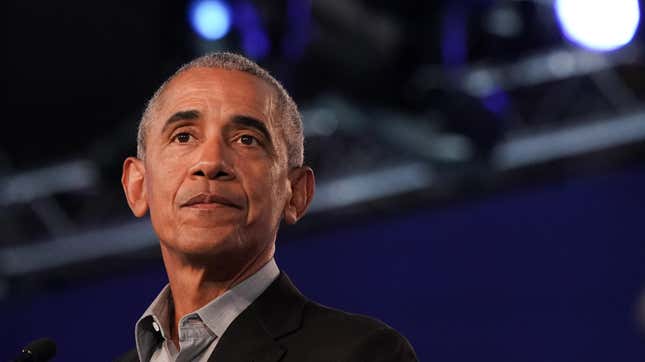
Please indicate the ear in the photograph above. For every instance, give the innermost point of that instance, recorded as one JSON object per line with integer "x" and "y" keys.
{"x": 302, "y": 192}
{"x": 132, "y": 180}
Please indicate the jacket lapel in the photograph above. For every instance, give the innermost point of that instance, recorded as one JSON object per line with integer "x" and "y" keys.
{"x": 253, "y": 335}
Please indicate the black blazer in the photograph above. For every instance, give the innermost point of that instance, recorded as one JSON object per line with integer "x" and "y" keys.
{"x": 282, "y": 325}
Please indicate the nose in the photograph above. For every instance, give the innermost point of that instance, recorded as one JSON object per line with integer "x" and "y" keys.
{"x": 212, "y": 162}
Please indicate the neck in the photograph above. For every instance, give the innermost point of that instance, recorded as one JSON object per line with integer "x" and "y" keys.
{"x": 194, "y": 283}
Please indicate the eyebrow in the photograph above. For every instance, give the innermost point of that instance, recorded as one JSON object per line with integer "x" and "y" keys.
{"x": 180, "y": 116}
{"x": 256, "y": 124}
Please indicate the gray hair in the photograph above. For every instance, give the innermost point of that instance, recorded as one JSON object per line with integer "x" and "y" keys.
{"x": 290, "y": 123}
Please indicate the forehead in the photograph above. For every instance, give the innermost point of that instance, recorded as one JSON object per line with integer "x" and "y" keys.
{"x": 227, "y": 90}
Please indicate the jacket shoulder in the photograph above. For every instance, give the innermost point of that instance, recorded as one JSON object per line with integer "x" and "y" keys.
{"x": 324, "y": 316}
{"x": 130, "y": 356}
{"x": 331, "y": 334}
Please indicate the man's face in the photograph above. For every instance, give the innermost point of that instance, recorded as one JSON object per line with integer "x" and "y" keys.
{"x": 216, "y": 178}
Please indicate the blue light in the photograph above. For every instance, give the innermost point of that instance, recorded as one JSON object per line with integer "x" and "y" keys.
{"x": 598, "y": 24}
{"x": 254, "y": 40}
{"x": 211, "y": 19}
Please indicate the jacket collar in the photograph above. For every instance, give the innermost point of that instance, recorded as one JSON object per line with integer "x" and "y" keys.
{"x": 254, "y": 334}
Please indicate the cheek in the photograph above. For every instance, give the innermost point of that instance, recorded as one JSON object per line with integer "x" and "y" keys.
{"x": 162, "y": 185}
{"x": 265, "y": 189}
{"x": 161, "y": 182}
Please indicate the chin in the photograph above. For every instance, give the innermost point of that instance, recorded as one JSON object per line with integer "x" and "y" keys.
{"x": 206, "y": 241}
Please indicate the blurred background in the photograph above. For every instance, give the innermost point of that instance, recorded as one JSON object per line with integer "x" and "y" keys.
{"x": 480, "y": 167}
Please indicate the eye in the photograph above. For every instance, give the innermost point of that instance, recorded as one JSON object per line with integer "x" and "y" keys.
{"x": 247, "y": 140}
{"x": 182, "y": 137}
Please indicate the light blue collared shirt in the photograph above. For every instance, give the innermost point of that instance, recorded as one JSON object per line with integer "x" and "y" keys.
{"x": 199, "y": 331}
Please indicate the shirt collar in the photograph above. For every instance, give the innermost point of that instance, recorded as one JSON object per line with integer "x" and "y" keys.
{"x": 153, "y": 326}
{"x": 221, "y": 311}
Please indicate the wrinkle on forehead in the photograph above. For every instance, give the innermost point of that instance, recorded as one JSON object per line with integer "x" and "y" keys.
{"x": 229, "y": 83}
{"x": 187, "y": 86}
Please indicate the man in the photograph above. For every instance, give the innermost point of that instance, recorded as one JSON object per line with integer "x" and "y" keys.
{"x": 219, "y": 164}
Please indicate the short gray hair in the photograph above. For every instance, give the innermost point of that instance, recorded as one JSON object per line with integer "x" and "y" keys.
{"x": 290, "y": 123}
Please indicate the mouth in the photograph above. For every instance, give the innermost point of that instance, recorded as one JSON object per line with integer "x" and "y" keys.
{"x": 209, "y": 201}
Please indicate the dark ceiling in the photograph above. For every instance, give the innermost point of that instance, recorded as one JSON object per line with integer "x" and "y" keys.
{"x": 431, "y": 98}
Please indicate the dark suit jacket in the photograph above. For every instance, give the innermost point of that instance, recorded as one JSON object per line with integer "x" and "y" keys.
{"x": 282, "y": 325}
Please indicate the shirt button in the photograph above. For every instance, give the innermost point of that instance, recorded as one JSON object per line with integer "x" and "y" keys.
{"x": 156, "y": 326}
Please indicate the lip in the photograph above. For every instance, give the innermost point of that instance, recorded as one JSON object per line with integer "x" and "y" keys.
{"x": 209, "y": 201}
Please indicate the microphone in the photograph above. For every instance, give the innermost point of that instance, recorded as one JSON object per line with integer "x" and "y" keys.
{"x": 40, "y": 350}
